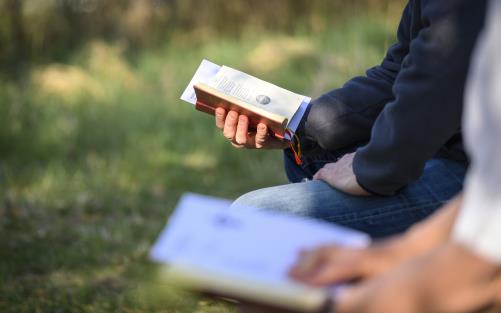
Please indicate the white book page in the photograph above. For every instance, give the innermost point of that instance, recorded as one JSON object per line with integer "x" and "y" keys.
{"x": 257, "y": 92}
{"x": 205, "y": 72}
{"x": 242, "y": 242}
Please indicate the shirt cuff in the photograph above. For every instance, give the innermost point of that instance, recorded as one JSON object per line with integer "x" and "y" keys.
{"x": 367, "y": 189}
{"x": 369, "y": 176}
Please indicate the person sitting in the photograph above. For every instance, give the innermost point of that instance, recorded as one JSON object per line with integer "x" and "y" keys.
{"x": 452, "y": 261}
{"x": 385, "y": 150}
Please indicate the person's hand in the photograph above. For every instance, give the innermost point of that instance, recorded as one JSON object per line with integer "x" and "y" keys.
{"x": 449, "y": 279}
{"x": 340, "y": 176}
{"x": 333, "y": 264}
{"x": 236, "y": 129}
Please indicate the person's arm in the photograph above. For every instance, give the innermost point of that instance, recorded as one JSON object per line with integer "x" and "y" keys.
{"x": 345, "y": 116}
{"x": 432, "y": 283}
{"x": 427, "y": 109}
{"x": 338, "y": 118}
{"x": 449, "y": 279}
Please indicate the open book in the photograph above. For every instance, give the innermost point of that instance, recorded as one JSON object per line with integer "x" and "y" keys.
{"x": 244, "y": 253}
{"x": 215, "y": 86}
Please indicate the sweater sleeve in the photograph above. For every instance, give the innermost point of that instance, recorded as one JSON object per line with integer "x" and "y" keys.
{"x": 428, "y": 101}
{"x": 345, "y": 116}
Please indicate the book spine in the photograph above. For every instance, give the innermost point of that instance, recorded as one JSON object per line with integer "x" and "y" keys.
{"x": 200, "y": 106}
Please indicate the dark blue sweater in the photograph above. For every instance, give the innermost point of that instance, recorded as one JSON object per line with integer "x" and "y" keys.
{"x": 408, "y": 108}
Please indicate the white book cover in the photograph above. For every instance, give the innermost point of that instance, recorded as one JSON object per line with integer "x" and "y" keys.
{"x": 245, "y": 252}
{"x": 257, "y": 92}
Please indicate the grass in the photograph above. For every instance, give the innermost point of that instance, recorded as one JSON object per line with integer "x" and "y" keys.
{"x": 95, "y": 153}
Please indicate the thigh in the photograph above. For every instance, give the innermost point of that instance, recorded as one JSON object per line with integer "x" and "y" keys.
{"x": 377, "y": 216}
{"x": 305, "y": 198}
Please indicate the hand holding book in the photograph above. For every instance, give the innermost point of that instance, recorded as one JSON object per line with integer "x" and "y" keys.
{"x": 235, "y": 128}
{"x": 216, "y": 87}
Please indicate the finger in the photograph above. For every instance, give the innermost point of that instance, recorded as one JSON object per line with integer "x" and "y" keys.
{"x": 236, "y": 145}
{"x": 308, "y": 261}
{"x": 304, "y": 266}
{"x": 332, "y": 264}
{"x": 319, "y": 175}
{"x": 331, "y": 167}
{"x": 220, "y": 115}
{"x": 261, "y": 135}
{"x": 230, "y": 125}
{"x": 329, "y": 273}
{"x": 242, "y": 130}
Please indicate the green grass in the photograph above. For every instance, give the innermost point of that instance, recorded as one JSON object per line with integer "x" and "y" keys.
{"x": 95, "y": 153}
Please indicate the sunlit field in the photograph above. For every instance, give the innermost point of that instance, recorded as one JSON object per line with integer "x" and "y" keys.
{"x": 96, "y": 148}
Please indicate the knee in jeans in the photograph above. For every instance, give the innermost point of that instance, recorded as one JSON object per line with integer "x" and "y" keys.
{"x": 249, "y": 200}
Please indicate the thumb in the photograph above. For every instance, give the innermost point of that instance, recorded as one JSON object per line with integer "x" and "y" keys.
{"x": 332, "y": 273}
{"x": 319, "y": 174}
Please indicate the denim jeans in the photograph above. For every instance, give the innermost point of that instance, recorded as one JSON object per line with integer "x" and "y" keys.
{"x": 377, "y": 216}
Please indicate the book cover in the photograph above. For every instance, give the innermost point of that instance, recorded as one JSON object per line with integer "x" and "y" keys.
{"x": 215, "y": 86}
{"x": 244, "y": 253}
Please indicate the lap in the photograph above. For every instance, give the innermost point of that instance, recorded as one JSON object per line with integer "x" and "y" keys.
{"x": 377, "y": 216}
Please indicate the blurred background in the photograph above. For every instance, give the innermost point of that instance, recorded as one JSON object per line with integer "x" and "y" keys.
{"x": 96, "y": 148}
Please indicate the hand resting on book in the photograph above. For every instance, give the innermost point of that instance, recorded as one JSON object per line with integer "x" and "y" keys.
{"x": 236, "y": 129}
{"x": 334, "y": 264}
